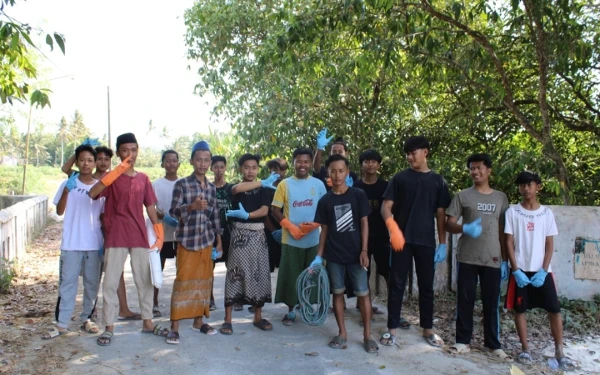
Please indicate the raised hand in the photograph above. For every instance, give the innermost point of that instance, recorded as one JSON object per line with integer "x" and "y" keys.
{"x": 269, "y": 181}
{"x": 72, "y": 182}
{"x": 91, "y": 142}
{"x": 322, "y": 140}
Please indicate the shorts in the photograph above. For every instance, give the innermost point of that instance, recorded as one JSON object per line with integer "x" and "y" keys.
{"x": 357, "y": 274}
{"x": 379, "y": 249}
{"x": 530, "y": 297}
{"x": 169, "y": 250}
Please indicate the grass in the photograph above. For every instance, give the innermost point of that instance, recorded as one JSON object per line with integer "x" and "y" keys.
{"x": 40, "y": 180}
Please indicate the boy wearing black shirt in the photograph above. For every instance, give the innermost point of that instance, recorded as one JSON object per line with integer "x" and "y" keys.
{"x": 343, "y": 214}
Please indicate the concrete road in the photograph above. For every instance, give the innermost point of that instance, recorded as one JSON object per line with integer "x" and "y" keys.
{"x": 251, "y": 351}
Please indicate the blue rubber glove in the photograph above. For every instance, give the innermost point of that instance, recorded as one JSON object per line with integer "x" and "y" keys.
{"x": 170, "y": 220}
{"x": 72, "y": 181}
{"x": 101, "y": 251}
{"x": 349, "y": 181}
{"x": 504, "y": 270}
{"x": 538, "y": 279}
{"x": 269, "y": 181}
{"x": 91, "y": 142}
{"x": 521, "y": 279}
{"x": 473, "y": 229}
{"x": 240, "y": 214}
{"x": 440, "y": 253}
{"x": 277, "y": 234}
{"x": 322, "y": 140}
{"x": 317, "y": 262}
{"x": 215, "y": 254}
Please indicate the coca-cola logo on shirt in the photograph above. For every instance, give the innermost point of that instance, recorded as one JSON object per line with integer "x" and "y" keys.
{"x": 304, "y": 203}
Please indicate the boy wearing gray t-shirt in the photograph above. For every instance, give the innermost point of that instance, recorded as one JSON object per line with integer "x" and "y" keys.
{"x": 481, "y": 254}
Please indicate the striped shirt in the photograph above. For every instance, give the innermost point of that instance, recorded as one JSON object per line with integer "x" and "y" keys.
{"x": 197, "y": 229}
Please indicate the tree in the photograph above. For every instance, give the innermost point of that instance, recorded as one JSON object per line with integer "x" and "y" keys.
{"x": 17, "y": 69}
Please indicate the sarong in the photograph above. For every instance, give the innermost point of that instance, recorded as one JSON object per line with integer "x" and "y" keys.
{"x": 193, "y": 283}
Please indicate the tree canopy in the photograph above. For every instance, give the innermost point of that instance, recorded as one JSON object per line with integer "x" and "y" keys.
{"x": 516, "y": 79}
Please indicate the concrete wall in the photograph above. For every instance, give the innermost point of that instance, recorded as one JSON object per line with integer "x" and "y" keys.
{"x": 8, "y": 200}
{"x": 20, "y": 222}
{"x": 573, "y": 222}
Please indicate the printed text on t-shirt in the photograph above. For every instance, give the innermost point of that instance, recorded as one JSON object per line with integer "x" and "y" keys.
{"x": 304, "y": 203}
{"x": 486, "y": 207}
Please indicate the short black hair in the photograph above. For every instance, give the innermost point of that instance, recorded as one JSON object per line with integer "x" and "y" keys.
{"x": 370, "y": 155}
{"x": 526, "y": 177}
{"x": 244, "y": 158}
{"x": 485, "y": 158}
{"x": 340, "y": 141}
{"x": 218, "y": 158}
{"x": 105, "y": 150}
{"x": 167, "y": 152}
{"x": 415, "y": 142}
{"x": 273, "y": 163}
{"x": 302, "y": 151}
{"x": 336, "y": 157}
{"x": 87, "y": 148}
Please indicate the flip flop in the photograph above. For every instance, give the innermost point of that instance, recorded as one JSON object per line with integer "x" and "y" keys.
{"x": 289, "y": 319}
{"x": 387, "y": 339}
{"x": 90, "y": 327}
{"x": 501, "y": 355}
{"x": 54, "y": 332}
{"x": 459, "y": 348}
{"x": 338, "y": 342}
{"x": 565, "y": 363}
{"x": 206, "y": 329}
{"x": 524, "y": 357}
{"x": 371, "y": 346}
{"x": 156, "y": 312}
{"x": 377, "y": 311}
{"x": 226, "y": 329}
{"x": 158, "y": 331}
{"x": 135, "y": 316}
{"x": 404, "y": 324}
{"x": 172, "y": 338}
{"x": 263, "y": 324}
{"x": 238, "y": 307}
{"x": 435, "y": 340}
{"x": 105, "y": 338}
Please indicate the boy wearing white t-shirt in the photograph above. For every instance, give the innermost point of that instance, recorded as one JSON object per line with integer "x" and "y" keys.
{"x": 530, "y": 229}
{"x": 163, "y": 188}
{"x": 81, "y": 239}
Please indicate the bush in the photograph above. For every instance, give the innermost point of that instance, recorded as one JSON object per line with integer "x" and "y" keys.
{"x": 7, "y": 274}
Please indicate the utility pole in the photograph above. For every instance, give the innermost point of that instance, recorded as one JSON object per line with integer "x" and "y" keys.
{"x": 108, "y": 101}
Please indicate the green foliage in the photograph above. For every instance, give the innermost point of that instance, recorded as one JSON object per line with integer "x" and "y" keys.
{"x": 7, "y": 274}
{"x": 17, "y": 69}
{"x": 580, "y": 316}
{"x": 40, "y": 180}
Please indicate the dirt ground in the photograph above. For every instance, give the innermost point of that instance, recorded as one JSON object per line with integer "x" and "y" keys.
{"x": 28, "y": 311}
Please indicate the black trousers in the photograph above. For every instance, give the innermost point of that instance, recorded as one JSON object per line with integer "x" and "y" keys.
{"x": 424, "y": 267}
{"x": 489, "y": 281}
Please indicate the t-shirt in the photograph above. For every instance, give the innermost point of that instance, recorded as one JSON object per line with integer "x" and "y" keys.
{"x": 471, "y": 204}
{"x": 251, "y": 200}
{"x": 342, "y": 213}
{"x": 324, "y": 176}
{"x": 416, "y": 197}
{"x": 530, "y": 229}
{"x": 224, "y": 203}
{"x": 124, "y": 221}
{"x": 298, "y": 198}
{"x": 163, "y": 189}
{"x": 81, "y": 226}
{"x": 377, "y": 228}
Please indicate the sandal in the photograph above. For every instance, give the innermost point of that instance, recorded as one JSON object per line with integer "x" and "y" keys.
{"x": 206, "y": 329}
{"x": 172, "y": 338}
{"x": 338, "y": 342}
{"x": 525, "y": 358}
{"x": 226, "y": 329}
{"x": 388, "y": 339}
{"x": 404, "y": 324}
{"x": 565, "y": 363}
{"x": 238, "y": 307}
{"x": 212, "y": 306}
{"x": 289, "y": 319}
{"x": 156, "y": 312}
{"x": 105, "y": 338}
{"x": 459, "y": 348}
{"x": 501, "y": 355}
{"x": 54, "y": 332}
{"x": 158, "y": 331}
{"x": 134, "y": 316}
{"x": 263, "y": 324}
{"x": 89, "y": 327}
{"x": 371, "y": 346}
{"x": 435, "y": 340}
{"x": 377, "y": 311}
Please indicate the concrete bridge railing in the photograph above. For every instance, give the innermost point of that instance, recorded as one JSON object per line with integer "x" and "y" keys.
{"x": 21, "y": 219}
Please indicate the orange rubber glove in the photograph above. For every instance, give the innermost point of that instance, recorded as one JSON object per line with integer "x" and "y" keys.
{"x": 294, "y": 230}
{"x": 111, "y": 176}
{"x": 309, "y": 227}
{"x": 328, "y": 182}
{"x": 396, "y": 236}
{"x": 160, "y": 236}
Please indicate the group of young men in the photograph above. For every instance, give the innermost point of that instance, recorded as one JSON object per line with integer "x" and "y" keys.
{"x": 323, "y": 213}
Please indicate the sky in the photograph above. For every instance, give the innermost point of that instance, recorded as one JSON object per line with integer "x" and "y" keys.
{"x": 137, "y": 49}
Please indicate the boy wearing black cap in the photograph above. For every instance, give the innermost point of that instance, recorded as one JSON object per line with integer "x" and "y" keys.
{"x": 412, "y": 200}
{"x": 530, "y": 229}
{"x": 126, "y": 191}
